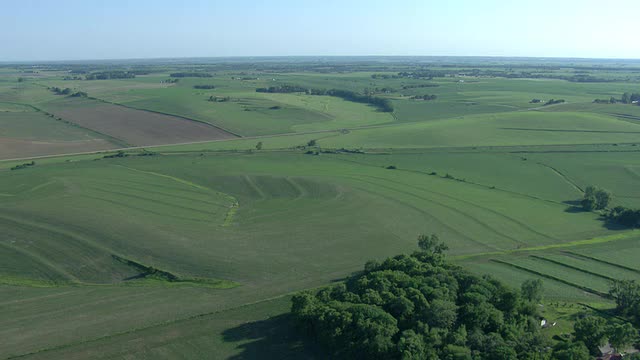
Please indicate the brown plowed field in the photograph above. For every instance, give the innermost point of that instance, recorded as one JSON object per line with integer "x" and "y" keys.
{"x": 21, "y": 148}
{"x": 135, "y": 127}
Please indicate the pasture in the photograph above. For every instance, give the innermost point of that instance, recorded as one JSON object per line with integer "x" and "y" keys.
{"x": 194, "y": 249}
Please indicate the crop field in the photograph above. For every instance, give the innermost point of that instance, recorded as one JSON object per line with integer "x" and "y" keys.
{"x": 134, "y": 127}
{"x": 174, "y": 216}
{"x": 25, "y": 132}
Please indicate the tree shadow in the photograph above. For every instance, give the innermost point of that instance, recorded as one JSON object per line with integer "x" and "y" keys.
{"x": 610, "y": 225}
{"x": 575, "y": 206}
{"x": 273, "y": 338}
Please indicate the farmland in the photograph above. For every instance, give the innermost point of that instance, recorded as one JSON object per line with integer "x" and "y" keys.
{"x": 167, "y": 220}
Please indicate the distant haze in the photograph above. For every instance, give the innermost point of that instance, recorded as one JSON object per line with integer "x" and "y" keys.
{"x": 32, "y": 30}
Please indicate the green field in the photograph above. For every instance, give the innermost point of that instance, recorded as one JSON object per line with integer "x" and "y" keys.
{"x": 194, "y": 249}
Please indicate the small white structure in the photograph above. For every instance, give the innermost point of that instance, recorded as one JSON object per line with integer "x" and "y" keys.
{"x": 543, "y": 322}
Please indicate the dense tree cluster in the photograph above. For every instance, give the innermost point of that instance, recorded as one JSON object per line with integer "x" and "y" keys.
{"x": 377, "y": 90}
{"x": 384, "y": 76}
{"x": 382, "y": 104}
{"x": 424, "y": 74}
{"x": 420, "y": 306}
{"x": 593, "y": 332}
{"x": 626, "y": 294}
{"x": 106, "y": 75}
{"x": 424, "y": 97}
{"x": 81, "y": 94}
{"x": 595, "y": 198}
{"x": 627, "y": 98}
{"x": 219, "y": 98}
{"x": 283, "y": 89}
{"x": 204, "y": 87}
{"x": 630, "y": 98}
{"x": 624, "y": 216}
{"x": 23, "y": 166}
{"x": 190, "y": 74}
{"x": 58, "y": 91}
{"x": 405, "y": 87}
{"x": 554, "y": 102}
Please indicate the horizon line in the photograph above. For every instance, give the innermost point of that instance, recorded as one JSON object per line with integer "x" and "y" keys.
{"x": 9, "y": 62}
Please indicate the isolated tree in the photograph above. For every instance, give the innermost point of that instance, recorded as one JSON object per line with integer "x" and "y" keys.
{"x": 592, "y": 331}
{"x": 532, "y": 290}
{"x": 621, "y": 335}
{"x": 259, "y": 146}
{"x": 311, "y": 142}
{"x": 431, "y": 244}
{"x": 595, "y": 198}
{"x": 626, "y": 98}
{"x": 626, "y": 294}
{"x": 603, "y": 198}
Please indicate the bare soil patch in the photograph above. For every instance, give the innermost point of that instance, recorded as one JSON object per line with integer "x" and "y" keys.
{"x": 135, "y": 127}
{"x": 22, "y": 148}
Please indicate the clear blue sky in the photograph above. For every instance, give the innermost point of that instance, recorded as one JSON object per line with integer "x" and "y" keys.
{"x": 117, "y": 29}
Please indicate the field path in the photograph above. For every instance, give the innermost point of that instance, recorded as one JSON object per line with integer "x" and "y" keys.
{"x": 563, "y": 176}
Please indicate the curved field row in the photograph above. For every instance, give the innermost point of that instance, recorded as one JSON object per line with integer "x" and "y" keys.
{"x": 71, "y": 255}
{"x": 474, "y": 205}
{"x": 449, "y": 214}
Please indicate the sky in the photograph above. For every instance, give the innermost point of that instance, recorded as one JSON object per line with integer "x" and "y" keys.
{"x": 38, "y": 30}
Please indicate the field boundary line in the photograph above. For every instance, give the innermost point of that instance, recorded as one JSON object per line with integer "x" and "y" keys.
{"x": 552, "y": 277}
{"x": 565, "y": 177}
{"x": 112, "y": 139}
{"x": 570, "y": 244}
{"x": 602, "y": 261}
{"x": 167, "y": 114}
{"x": 572, "y": 267}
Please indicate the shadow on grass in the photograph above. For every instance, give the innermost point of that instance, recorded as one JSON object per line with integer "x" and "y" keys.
{"x": 273, "y": 338}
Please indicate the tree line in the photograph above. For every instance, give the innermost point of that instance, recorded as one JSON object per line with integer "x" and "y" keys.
{"x": 106, "y": 75}
{"x": 627, "y": 98}
{"x": 204, "y": 87}
{"x": 190, "y": 74}
{"x": 424, "y": 97}
{"x": 67, "y": 91}
{"x": 382, "y": 104}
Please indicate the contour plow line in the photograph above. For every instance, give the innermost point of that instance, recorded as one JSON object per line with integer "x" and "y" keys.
{"x": 501, "y": 215}
{"x": 235, "y": 204}
{"x": 450, "y": 208}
